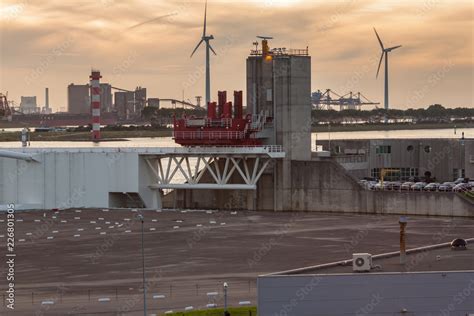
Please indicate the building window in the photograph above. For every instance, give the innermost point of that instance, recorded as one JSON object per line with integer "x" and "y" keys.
{"x": 383, "y": 149}
{"x": 375, "y": 173}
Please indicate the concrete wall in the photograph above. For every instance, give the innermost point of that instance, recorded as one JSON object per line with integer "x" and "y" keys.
{"x": 326, "y": 187}
{"x": 323, "y": 186}
{"x": 420, "y": 294}
{"x": 64, "y": 179}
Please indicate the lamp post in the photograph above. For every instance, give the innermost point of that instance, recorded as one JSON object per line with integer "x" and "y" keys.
{"x": 140, "y": 217}
{"x": 225, "y": 298}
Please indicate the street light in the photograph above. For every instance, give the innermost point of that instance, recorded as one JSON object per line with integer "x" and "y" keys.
{"x": 140, "y": 217}
{"x": 226, "y": 313}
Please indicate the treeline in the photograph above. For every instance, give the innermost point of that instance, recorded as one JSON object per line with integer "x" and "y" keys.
{"x": 433, "y": 114}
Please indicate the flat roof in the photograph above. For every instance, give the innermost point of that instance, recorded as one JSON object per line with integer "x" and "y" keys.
{"x": 439, "y": 257}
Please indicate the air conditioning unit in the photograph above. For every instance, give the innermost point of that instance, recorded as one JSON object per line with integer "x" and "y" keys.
{"x": 361, "y": 262}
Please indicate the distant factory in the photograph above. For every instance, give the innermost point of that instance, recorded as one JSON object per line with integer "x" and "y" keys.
{"x": 126, "y": 103}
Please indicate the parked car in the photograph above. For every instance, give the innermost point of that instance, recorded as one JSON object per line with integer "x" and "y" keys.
{"x": 446, "y": 187}
{"x": 418, "y": 186}
{"x": 394, "y": 186}
{"x": 371, "y": 185}
{"x": 462, "y": 187}
{"x": 406, "y": 186}
{"x": 431, "y": 186}
{"x": 461, "y": 180}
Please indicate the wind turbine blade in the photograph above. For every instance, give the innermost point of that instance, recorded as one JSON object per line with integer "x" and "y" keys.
{"x": 212, "y": 49}
{"x": 205, "y": 21}
{"x": 380, "y": 64}
{"x": 393, "y": 48}
{"x": 150, "y": 21}
{"x": 378, "y": 37}
{"x": 194, "y": 51}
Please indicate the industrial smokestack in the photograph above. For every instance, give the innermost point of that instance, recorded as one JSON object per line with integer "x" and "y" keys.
{"x": 46, "y": 97}
{"x": 95, "y": 98}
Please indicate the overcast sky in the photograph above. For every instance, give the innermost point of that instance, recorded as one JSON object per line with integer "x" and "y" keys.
{"x": 51, "y": 43}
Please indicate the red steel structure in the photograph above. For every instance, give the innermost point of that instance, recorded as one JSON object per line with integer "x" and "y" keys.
{"x": 221, "y": 127}
{"x": 95, "y": 102}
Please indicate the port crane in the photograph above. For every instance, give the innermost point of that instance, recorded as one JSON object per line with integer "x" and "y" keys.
{"x": 350, "y": 101}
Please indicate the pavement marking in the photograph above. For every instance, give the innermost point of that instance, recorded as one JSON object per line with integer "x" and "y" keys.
{"x": 21, "y": 240}
{"x": 212, "y": 293}
{"x": 208, "y": 212}
{"x": 100, "y": 218}
{"x": 93, "y": 222}
{"x": 110, "y": 227}
{"x": 104, "y": 299}
{"x": 184, "y": 211}
{"x": 2, "y": 220}
{"x": 2, "y": 236}
{"x": 49, "y": 237}
{"x": 97, "y": 228}
{"x": 154, "y": 220}
{"x": 158, "y": 296}
{"x": 212, "y": 305}
{"x": 152, "y": 229}
{"x": 175, "y": 227}
{"x": 188, "y": 308}
{"x": 158, "y": 211}
{"x": 105, "y": 210}
{"x": 19, "y": 220}
{"x": 126, "y": 219}
{"x": 198, "y": 225}
{"x": 78, "y": 211}
{"x": 133, "y": 209}
{"x": 64, "y": 221}
{"x": 168, "y": 312}
{"x": 222, "y": 224}
{"x": 245, "y": 303}
{"x": 29, "y": 234}
{"x": 233, "y": 213}
{"x": 55, "y": 232}
{"x": 128, "y": 231}
{"x": 179, "y": 221}
{"x": 103, "y": 233}
{"x": 212, "y": 222}
{"x": 107, "y": 223}
{"x": 53, "y": 217}
{"x": 77, "y": 218}
{"x": 80, "y": 229}
{"x": 47, "y": 303}
{"x": 37, "y": 220}
{"x": 77, "y": 235}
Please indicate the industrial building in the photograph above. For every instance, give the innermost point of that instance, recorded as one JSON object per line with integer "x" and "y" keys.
{"x": 78, "y": 99}
{"x": 28, "y": 105}
{"x": 441, "y": 159}
{"x": 106, "y": 97}
{"x": 129, "y": 104}
{"x": 431, "y": 280}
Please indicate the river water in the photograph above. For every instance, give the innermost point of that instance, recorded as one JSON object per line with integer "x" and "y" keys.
{"x": 168, "y": 141}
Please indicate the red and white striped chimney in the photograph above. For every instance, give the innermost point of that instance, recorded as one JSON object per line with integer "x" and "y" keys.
{"x": 95, "y": 103}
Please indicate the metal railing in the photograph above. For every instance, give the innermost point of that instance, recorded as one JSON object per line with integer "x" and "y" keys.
{"x": 282, "y": 52}
{"x": 208, "y": 135}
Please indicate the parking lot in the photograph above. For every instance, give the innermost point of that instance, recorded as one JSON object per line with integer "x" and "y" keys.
{"x": 83, "y": 262}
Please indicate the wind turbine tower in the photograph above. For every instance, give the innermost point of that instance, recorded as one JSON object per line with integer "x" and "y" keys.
{"x": 385, "y": 52}
{"x": 205, "y": 38}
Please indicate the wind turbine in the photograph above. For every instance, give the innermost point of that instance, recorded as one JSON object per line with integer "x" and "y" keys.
{"x": 209, "y": 48}
{"x": 385, "y": 52}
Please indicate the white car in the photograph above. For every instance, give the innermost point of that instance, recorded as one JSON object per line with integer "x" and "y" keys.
{"x": 418, "y": 186}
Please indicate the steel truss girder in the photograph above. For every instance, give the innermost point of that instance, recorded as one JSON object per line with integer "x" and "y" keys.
{"x": 187, "y": 171}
